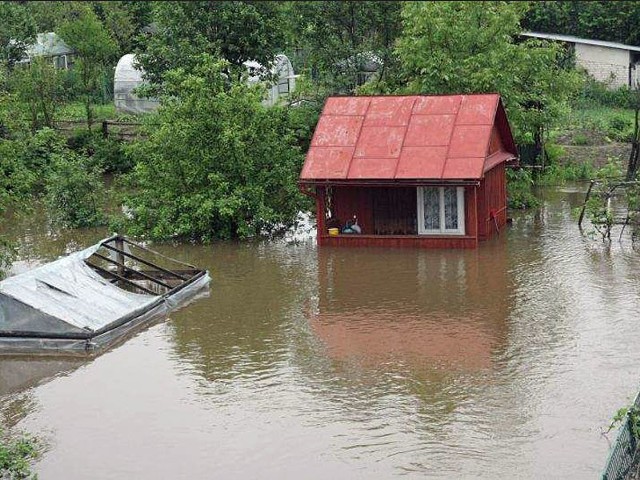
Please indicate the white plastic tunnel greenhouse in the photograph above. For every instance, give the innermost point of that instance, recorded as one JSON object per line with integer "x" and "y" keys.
{"x": 126, "y": 79}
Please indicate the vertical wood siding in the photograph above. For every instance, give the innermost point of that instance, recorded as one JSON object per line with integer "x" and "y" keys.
{"x": 492, "y": 201}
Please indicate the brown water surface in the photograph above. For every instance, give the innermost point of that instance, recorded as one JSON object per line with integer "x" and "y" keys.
{"x": 504, "y": 362}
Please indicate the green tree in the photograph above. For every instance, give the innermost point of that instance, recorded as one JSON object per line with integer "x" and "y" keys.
{"x": 39, "y": 90}
{"x": 124, "y": 21}
{"x": 601, "y": 20}
{"x": 336, "y": 41}
{"x": 93, "y": 46}
{"x": 17, "y": 31}
{"x": 220, "y": 165}
{"x": 235, "y": 31}
{"x": 470, "y": 47}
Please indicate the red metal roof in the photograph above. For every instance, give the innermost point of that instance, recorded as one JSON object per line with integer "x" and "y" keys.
{"x": 407, "y": 138}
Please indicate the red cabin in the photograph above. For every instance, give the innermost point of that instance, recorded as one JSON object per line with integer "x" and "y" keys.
{"x": 414, "y": 171}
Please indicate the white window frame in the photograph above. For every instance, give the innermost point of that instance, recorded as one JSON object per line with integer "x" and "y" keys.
{"x": 442, "y": 230}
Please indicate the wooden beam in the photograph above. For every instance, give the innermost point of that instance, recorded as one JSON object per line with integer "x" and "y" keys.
{"x": 146, "y": 262}
{"x": 121, "y": 278}
{"x": 138, "y": 272}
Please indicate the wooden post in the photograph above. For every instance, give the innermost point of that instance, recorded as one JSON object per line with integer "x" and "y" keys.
{"x": 105, "y": 129}
{"x": 119, "y": 257}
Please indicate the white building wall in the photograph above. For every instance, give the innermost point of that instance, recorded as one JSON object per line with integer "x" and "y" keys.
{"x": 609, "y": 65}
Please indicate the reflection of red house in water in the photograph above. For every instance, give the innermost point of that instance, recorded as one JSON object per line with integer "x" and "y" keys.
{"x": 446, "y": 310}
{"x": 418, "y": 171}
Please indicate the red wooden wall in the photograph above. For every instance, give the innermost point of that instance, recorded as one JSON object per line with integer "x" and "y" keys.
{"x": 492, "y": 202}
{"x": 373, "y": 207}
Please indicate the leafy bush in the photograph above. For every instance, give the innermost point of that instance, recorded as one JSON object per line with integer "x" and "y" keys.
{"x": 620, "y": 128}
{"x": 580, "y": 139}
{"x": 16, "y": 180}
{"x": 559, "y": 174}
{"x": 83, "y": 140}
{"x": 219, "y": 165}
{"x": 74, "y": 192}
{"x": 16, "y": 454}
{"x": 111, "y": 156}
{"x": 596, "y": 93}
{"x": 519, "y": 189}
{"x": 107, "y": 153}
{"x": 554, "y": 153}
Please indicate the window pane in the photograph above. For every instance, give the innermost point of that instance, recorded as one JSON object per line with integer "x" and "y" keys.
{"x": 431, "y": 199}
{"x": 451, "y": 208}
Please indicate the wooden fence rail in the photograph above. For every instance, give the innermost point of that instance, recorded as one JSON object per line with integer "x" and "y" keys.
{"x": 125, "y": 131}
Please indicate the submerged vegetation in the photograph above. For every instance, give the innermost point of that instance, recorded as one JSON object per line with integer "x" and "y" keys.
{"x": 16, "y": 454}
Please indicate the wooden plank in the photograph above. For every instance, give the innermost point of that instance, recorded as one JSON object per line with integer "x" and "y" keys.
{"x": 131, "y": 273}
{"x": 121, "y": 278}
{"x": 399, "y": 241}
{"x": 149, "y": 264}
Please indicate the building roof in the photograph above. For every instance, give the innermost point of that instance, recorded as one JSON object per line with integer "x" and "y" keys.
{"x": 586, "y": 41}
{"x": 413, "y": 137}
{"x": 48, "y": 44}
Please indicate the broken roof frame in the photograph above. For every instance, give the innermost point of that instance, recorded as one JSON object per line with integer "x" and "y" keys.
{"x": 75, "y": 305}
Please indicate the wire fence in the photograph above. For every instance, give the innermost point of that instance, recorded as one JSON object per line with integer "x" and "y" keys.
{"x": 624, "y": 453}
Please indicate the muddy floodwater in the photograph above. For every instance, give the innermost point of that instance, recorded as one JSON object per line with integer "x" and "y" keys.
{"x": 504, "y": 362}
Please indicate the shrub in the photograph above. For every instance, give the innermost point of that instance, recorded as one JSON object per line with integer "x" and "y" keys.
{"x": 519, "y": 189}
{"x": 107, "y": 153}
{"x": 16, "y": 454}
{"x": 74, "y": 192}
{"x": 580, "y": 139}
{"x": 219, "y": 165}
{"x": 599, "y": 93}
{"x": 620, "y": 128}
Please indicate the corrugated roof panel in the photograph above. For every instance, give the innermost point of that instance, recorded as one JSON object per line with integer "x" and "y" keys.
{"x": 463, "y": 168}
{"x": 477, "y": 110}
{"x": 337, "y": 131}
{"x": 421, "y": 162}
{"x": 327, "y": 162}
{"x": 389, "y": 111}
{"x": 371, "y": 168}
{"x": 346, "y": 106}
{"x": 445, "y": 105}
{"x": 429, "y": 130}
{"x": 380, "y": 142}
{"x": 469, "y": 141}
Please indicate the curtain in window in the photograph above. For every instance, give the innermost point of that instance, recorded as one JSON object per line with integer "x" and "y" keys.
{"x": 431, "y": 199}
{"x": 450, "y": 208}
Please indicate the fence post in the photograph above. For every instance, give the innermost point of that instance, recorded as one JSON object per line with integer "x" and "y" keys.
{"x": 105, "y": 129}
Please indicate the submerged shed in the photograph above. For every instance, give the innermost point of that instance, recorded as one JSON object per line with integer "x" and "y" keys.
{"x": 421, "y": 171}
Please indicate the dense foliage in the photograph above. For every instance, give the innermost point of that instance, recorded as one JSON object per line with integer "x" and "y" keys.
{"x": 470, "y": 47}
{"x": 16, "y": 455}
{"x": 220, "y": 165}
{"x": 94, "y": 47}
{"x": 602, "y": 20}
{"x": 341, "y": 42}
{"x": 17, "y": 30}
{"x": 233, "y": 31}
